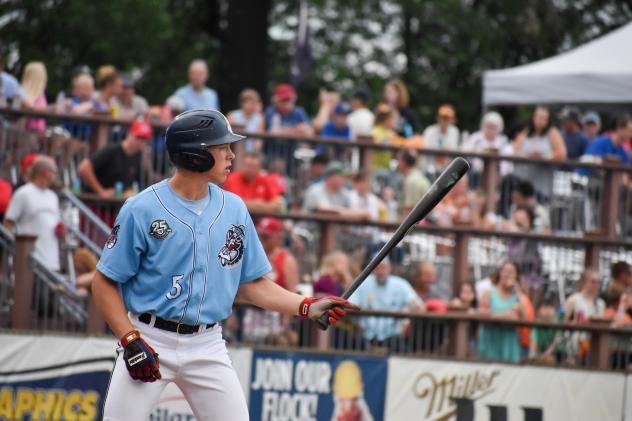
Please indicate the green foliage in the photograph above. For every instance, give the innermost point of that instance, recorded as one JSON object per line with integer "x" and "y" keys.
{"x": 440, "y": 48}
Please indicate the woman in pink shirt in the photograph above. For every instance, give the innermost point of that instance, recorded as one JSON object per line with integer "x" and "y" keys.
{"x": 34, "y": 79}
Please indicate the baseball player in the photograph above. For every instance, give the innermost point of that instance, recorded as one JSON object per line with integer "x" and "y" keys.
{"x": 178, "y": 255}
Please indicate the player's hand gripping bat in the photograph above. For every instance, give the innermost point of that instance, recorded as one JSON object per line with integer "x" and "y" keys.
{"x": 442, "y": 185}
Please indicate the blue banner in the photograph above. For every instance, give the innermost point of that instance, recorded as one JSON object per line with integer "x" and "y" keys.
{"x": 295, "y": 386}
{"x": 72, "y": 392}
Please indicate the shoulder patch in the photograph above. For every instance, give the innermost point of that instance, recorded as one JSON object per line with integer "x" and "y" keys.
{"x": 113, "y": 237}
{"x": 233, "y": 249}
{"x": 159, "y": 229}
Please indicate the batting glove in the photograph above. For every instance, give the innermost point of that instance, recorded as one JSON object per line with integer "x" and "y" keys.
{"x": 335, "y": 307}
{"x": 140, "y": 359}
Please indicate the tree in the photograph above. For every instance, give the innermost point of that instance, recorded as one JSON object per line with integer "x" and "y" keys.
{"x": 440, "y": 48}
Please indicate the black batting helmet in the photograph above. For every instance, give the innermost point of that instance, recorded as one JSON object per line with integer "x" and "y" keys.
{"x": 192, "y": 132}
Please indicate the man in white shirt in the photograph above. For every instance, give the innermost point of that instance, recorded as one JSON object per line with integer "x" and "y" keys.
{"x": 34, "y": 210}
{"x": 360, "y": 120}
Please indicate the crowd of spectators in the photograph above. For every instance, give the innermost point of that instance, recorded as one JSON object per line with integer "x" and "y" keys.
{"x": 399, "y": 177}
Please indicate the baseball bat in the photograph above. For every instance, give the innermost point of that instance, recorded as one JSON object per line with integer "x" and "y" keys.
{"x": 442, "y": 185}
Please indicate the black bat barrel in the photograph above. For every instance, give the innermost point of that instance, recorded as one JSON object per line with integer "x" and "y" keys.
{"x": 442, "y": 185}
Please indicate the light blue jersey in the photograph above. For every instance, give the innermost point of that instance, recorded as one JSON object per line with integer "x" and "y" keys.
{"x": 179, "y": 265}
{"x": 395, "y": 295}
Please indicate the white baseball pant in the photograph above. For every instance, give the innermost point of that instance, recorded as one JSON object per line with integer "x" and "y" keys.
{"x": 197, "y": 363}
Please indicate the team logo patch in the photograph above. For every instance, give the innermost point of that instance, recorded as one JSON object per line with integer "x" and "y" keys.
{"x": 159, "y": 229}
{"x": 113, "y": 237}
{"x": 233, "y": 250}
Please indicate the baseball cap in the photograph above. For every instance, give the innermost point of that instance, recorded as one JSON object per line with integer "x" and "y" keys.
{"x": 334, "y": 167}
{"x": 591, "y": 117}
{"x": 27, "y": 161}
{"x": 141, "y": 128}
{"x": 446, "y": 111}
{"x": 342, "y": 108}
{"x": 284, "y": 91}
{"x": 269, "y": 225}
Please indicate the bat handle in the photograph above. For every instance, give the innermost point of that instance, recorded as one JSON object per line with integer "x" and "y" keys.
{"x": 323, "y": 321}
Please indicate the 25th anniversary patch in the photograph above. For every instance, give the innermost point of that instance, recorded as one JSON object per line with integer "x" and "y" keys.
{"x": 159, "y": 229}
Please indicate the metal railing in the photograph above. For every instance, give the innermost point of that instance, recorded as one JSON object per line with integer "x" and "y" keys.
{"x": 44, "y": 299}
{"x": 455, "y": 334}
{"x": 56, "y": 303}
{"x": 7, "y": 274}
{"x": 549, "y": 262}
{"x": 575, "y": 202}
{"x": 88, "y": 228}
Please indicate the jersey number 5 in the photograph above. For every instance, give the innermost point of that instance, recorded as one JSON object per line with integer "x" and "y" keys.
{"x": 176, "y": 288}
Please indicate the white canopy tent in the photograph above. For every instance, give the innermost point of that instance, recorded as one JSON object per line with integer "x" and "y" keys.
{"x": 599, "y": 71}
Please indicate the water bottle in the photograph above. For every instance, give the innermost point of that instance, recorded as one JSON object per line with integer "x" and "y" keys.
{"x": 561, "y": 315}
{"x": 118, "y": 189}
{"x": 60, "y": 102}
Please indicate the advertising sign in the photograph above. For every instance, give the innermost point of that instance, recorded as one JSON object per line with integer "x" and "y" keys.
{"x": 444, "y": 390}
{"x": 310, "y": 387}
{"x": 53, "y": 378}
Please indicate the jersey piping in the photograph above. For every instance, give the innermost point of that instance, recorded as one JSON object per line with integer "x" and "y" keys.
{"x": 186, "y": 304}
{"x": 208, "y": 246}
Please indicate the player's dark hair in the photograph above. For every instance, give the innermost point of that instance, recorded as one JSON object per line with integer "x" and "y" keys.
{"x": 619, "y": 268}
{"x": 525, "y": 188}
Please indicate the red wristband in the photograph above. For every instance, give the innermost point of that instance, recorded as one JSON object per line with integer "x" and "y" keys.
{"x": 130, "y": 336}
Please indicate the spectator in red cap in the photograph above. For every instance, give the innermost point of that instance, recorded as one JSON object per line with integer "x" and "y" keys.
{"x": 25, "y": 166}
{"x": 284, "y": 117}
{"x": 253, "y": 186}
{"x": 116, "y": 163}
